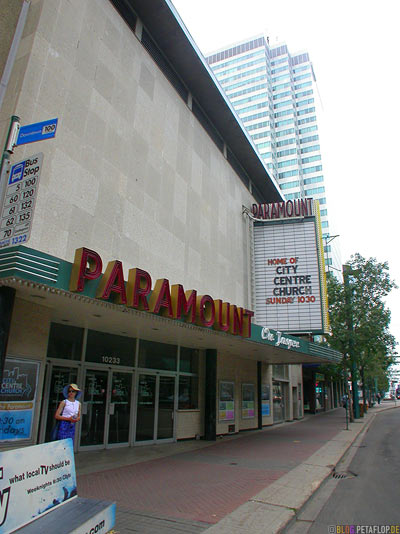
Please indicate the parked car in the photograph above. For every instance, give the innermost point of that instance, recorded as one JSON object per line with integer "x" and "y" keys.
{"x": 388, "y": 396}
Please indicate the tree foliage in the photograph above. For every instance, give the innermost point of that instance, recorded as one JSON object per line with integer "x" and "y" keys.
{"x": 360, "y": 320}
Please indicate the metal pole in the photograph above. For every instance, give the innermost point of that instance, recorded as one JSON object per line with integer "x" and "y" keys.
{"x": 4, "y": 170}
{"x": 9, "y": 146}
{"x": 354, "y": 372}
{"x": 13, "y": 50}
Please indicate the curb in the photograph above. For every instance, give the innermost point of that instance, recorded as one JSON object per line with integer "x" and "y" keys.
{"x": 272, "y": 509}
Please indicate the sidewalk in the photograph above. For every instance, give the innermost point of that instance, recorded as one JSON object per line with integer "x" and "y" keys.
{"x": 248, "y": 483}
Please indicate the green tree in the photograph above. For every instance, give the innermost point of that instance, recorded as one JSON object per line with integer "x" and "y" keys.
{"x": 360, "y": 321}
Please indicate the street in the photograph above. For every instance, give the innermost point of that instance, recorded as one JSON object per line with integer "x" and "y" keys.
{"x": 369, "y": 493}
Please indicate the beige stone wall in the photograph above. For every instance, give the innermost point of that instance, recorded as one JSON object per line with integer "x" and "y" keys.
{"x": 9, "y": 13}
{"x": 296, "y": 381}
{"x": 131, "y": 173}
{"x": 29, "y": 330}
{"x": 240, "y": 371}
{"x": 266, "y": 379}
{"x": 28, "y": 339}
{"x": 296, "y": 374}
{"x": 191, "y": 422}
{"x": 188, "y": 424}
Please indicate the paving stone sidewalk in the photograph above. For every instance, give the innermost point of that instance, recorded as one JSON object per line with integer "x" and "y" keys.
{"x": 251, "y": 483}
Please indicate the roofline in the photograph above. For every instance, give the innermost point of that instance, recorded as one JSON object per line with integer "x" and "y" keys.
{"x": 162, "y": 21}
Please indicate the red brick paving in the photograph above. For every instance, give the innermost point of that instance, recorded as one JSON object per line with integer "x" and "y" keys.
{"x": 203, "y": 485}
{"x": 171, "y": 487}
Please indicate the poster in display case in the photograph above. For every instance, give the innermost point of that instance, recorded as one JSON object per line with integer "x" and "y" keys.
{"x": 265, "y": 400}
{"x": 226, "y": 401}
{"x": 248, "y": 401}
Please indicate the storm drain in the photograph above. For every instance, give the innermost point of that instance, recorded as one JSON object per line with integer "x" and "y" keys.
{"x": 344, "y": 474}
{"x": 339, "y": 475}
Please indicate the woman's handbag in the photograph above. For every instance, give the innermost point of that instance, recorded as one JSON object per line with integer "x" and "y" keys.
{"x": 54, "y": 431}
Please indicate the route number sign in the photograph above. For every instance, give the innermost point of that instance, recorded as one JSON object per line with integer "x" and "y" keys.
{"x": 19, "y": 201}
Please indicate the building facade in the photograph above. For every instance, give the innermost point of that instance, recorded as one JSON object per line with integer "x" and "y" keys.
{"x": 274, "y": 93}
{"x": 132, "y": 274}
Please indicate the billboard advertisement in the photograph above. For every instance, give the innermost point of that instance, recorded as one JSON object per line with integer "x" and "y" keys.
{"x": 17, "y": 399}
{"x": 33, "y": 481}
{"x": 290, "y": 284}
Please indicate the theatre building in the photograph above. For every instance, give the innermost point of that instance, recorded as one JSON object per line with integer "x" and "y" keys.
{"x": 126, "y": 257}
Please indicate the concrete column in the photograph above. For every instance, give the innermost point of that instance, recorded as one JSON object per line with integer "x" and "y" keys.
{"x": 7, "y": 298}
{"x": 259, "y": 382}
{"x": 210, "y": 385}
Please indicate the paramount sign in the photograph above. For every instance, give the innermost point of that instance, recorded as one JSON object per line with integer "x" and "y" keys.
{"x": 301, "y": 207}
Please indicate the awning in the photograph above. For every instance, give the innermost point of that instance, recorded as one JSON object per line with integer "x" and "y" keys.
{"x": 44, "y": 280}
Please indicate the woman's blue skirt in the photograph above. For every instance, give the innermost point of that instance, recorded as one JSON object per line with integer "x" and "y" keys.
{"x": 66, "y": 430}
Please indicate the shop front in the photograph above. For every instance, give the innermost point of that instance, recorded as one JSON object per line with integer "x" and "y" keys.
{"x": 146, "y": 377}
{"x": 125, "y": 401}
{"x": 320, "y": 393}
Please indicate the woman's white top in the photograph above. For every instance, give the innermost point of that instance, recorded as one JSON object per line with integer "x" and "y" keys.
{"x": 71, "y": 409}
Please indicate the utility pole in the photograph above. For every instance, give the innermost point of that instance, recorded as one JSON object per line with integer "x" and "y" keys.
{"x": 7, "y": 294}
{"x": 354, "y": 373}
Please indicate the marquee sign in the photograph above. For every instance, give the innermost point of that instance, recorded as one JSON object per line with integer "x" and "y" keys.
{"x": 289, "y": 267}
{"x": 170, "y": 301}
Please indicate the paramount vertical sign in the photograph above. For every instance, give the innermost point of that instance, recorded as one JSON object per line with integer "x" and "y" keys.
{"x": 289, "y": 267}
{"x": 301, "y": 207}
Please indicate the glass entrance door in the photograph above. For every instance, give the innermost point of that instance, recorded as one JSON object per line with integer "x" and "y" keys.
{"x": 94, "y": 409}
{"x": 155, "y": 408}
{"x": 166, "y": 397}
{"x": 119, "y": 408}
{"x": 278, "y": 402}
{"x": 106, "y": 410}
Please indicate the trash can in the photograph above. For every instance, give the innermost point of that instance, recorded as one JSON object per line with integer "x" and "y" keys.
{"x": 361, "y": 406}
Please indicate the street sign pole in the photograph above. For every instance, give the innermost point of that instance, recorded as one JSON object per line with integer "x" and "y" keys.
{"x": 4, "y": 172}
{"x": 11, "y": 141}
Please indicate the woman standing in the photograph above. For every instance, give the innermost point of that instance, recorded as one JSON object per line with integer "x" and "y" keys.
{"x": 69, "y": 412}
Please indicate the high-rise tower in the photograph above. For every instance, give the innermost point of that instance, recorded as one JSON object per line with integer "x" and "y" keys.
{"x": 274, "y": 93}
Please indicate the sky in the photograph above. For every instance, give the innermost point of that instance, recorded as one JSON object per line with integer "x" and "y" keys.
{"x": 354, "y": 48}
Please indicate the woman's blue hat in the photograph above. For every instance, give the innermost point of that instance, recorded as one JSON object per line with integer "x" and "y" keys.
{"x": 73, "y": 386}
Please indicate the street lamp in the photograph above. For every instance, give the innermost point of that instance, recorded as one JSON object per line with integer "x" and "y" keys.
{"x": 347, "y": 271}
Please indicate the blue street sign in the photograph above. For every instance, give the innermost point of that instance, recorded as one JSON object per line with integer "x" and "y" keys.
{"x": 17, "y": 173}
{"x": 37, "y": 132}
